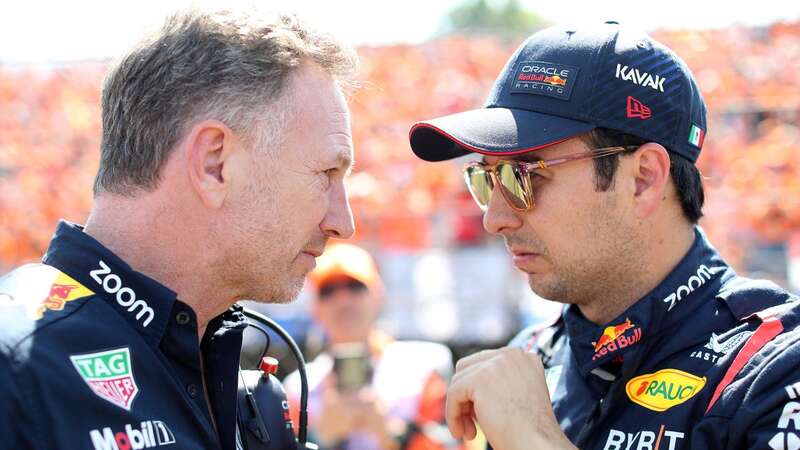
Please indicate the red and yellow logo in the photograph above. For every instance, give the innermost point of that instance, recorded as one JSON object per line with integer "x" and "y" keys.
{"x": 556, "y": 80}
{"x": 614, "y": 338}
{"x": 610, "y": 334}
{"x": 64, "y": 289}
{"x": 664, "y": 389}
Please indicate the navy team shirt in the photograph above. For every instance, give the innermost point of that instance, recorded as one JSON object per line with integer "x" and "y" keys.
{"x": 94, "y": 355}
{"x": 707, "y": 360}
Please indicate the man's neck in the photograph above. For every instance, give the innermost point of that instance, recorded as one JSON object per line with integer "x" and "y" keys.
{"x": 644, "y": 275}
{"x": 143, "y": 235}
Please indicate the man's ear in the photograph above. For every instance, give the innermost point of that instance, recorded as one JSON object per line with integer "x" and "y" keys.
{"x": 651, "y": 163}
{"x": 209, "y": 148}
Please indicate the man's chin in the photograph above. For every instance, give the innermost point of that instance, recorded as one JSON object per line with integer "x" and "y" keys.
{"x": 545, "y": 287}
{"x": 276, "y": 300}
{"x": 279, "y": 294}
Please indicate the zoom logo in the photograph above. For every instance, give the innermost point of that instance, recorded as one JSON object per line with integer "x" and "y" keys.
{"x": 695, "y": 281}
{"x": 126, "y": 297}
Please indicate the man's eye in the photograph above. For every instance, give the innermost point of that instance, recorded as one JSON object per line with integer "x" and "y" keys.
{"x": 540, "y": 174}
{"x": 536, "y": 175}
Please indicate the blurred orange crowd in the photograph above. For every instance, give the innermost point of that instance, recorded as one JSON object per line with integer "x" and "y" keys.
{"x": 50, "y": 135}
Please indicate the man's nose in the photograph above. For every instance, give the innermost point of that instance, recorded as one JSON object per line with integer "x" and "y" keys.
{"x": 338, "y": 221}
{"x": 499, "y": 218}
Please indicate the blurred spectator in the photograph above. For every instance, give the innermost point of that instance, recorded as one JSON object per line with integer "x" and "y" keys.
{"x": 368, "y": 391}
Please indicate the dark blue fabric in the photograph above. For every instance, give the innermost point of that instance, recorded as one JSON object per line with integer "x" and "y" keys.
{"x": 493, "y": 131}
{"x": 566, "y": 80}
{"x": 45, "y": 403}
{"x": 698, "y": 333}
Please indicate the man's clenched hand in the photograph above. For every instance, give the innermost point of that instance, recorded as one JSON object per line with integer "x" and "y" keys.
{"x": 504, "y": 392}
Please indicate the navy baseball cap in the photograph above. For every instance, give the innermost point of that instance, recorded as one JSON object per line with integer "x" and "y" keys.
{"x": 564, "y": 81}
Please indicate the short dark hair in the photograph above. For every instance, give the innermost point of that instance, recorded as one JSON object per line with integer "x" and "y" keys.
{"x": 684, "y": 174}
{"x": 230, "y": 66}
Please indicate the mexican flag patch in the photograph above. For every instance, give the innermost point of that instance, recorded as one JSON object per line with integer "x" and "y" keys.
{"x": 109, "y": 374}
{"x": 696, "y": 136}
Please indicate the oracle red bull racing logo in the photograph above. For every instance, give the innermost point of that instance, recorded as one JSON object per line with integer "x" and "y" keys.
{"x": 544, "y": 78}
{"x": 109, "y": 374}
{"x": 616, "y": 337}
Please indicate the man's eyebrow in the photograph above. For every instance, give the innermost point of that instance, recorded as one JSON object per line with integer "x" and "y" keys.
{"x": 524, "y": 157}
{"x": 528, "y": 157}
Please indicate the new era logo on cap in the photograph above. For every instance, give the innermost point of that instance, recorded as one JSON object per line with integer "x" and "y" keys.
{"x": 637, "y": 109}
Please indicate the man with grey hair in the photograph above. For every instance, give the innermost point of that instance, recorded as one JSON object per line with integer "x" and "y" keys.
{"x": 226, "y": 139}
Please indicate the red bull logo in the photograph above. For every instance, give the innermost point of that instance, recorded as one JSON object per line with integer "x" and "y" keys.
{"x": 59, "y": 293}
{"x": 555, "y": 80}
{"x": 528, "y": 77}
{"x": 63, "y": 290}
{"x": 614, "y": 338}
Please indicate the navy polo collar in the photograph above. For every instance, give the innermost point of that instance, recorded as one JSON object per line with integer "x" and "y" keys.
{"x": 160, "y": 318}
{"x": 144, "y": 302}
{"x": 701, "y": 272}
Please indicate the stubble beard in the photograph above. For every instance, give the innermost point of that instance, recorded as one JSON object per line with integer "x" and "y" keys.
{"x": 263, "y": 272}
{"x": 600, "y": 280}
{"x": 280, "y": 287}
{"x": 598, "y": 276}
{"x": 257, "y": 275}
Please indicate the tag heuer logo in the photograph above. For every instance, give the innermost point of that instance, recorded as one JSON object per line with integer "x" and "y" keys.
{"x": 109, "y": 374}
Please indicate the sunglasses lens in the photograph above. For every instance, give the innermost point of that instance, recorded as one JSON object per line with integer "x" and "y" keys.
{"x": 480, "y": 187}
{"x": 327, "y": 290}
{"x": 510, "y": 178}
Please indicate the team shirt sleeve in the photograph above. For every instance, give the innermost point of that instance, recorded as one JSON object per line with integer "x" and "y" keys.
{"x": 17, "y": 428}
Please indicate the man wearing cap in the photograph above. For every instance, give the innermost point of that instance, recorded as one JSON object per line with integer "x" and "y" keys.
{"x": 367, "y": 390}
{"x": 588, "y": 142}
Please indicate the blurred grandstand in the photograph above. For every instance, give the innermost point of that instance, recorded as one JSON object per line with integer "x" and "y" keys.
{"x": 417, "y": 218}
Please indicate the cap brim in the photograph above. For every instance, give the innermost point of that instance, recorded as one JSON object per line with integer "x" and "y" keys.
{"x": 491, "y": 131}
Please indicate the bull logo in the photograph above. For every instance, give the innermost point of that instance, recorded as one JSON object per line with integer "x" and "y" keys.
{"x": 64, "y": 289}
{"x": 610, "y": 334}
{"x": 555, "y": 80}
{"x": 59, "y": 295}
